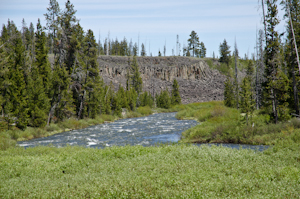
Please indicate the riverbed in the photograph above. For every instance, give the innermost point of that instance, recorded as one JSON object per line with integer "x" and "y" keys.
{"x": 146, "y": 131}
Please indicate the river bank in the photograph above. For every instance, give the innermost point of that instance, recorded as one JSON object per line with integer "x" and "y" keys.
{"x": 220, "y": 124}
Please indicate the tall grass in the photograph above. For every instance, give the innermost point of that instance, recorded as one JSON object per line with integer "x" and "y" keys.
{"x": 226, "y": 125}
{"x": 177, "y": 171}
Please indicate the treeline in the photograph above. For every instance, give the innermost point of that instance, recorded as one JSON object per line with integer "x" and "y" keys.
{"x": 272, "y": 76}
{"x": 124, "y": 47}
{"x": 34, "y": 93}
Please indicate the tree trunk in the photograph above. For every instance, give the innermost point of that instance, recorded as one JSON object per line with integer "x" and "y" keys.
{"x": 264, "y": 16}
{"x": 274, "y": 105}
{"x": 296, "y": 100}
{"x": 81, "y": 105}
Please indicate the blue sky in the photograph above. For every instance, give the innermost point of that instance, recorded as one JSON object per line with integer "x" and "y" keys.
{"x": 156, "y": 22}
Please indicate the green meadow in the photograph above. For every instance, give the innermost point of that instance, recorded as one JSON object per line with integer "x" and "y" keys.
{"x": 174, "y": 171}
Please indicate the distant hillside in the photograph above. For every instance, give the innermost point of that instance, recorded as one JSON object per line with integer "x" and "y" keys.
{"x": 198, "y": 82}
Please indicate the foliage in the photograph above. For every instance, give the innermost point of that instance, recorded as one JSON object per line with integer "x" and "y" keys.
{"x": 175, "y": 95}
{"x": 193, "y": 43}
{"x": 226, "y": 125}
{"x": 224, "y": 53}
{"x": 134, "y": 77}
{"x": 146, "y": 99}
{"x": 229, "y": 99}
{"x": 247, "y": 100}
{"x": 163, "y": 100}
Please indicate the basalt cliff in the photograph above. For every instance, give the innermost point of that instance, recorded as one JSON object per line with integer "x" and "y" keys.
{"x": 197, "y": 81}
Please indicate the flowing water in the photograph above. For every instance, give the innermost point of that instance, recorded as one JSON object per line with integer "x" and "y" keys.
{"x": 145, "y": 131}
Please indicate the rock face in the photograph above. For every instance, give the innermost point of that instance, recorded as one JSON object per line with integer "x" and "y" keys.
{"x": 198, "y": 83}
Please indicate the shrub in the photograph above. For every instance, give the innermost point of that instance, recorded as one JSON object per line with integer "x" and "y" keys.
{"x": 52, "y": 127}
{"x": 6, "y": 141}
{"x": 295, "y": 122}
{"x": 146, "y": 110}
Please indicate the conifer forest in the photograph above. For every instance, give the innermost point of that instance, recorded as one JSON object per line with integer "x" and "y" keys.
{"x": 35, "y": 93}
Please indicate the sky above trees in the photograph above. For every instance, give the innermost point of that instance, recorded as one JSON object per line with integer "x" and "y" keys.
{"x": 156, "y": 22}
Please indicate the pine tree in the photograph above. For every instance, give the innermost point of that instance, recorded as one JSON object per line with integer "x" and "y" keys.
{"x": 121, "y": 94}
{"x": 52, "y": 21}
{"x": 143, "y": 51}
{"x": 281, "y": 86}
{"x": 175, "y": 99}
{"x": 39, "y": 82}
{"x": 229, "y": 99}
{"x": 93, "y": 82}
{"x": 193, "y": 43}
{"x": 272, "y": 62}
{"x": 292, "y": 8}
{"x": 41, "y": 55}
{"x": 224, "y": 53}
{"x": 163, "y": 100}
{"x": 146, "y": 99}
{"x": 202, "y": 50}
{"x": 247, "y": 104}
{"x": 135, "y": 50}
{"x": 135, "y": 78}
{"x": 132, "y": 97}
{"x": 68, "y": 24}
{"x": 17, "y": 89}
{"x": 38, "y": 102}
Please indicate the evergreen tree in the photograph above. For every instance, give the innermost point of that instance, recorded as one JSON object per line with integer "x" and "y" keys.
{"x": 132, "y": 98}
{"x": 17, "y": 89}
{"x": 247, "y": 104}
{"x": 272, "y": 62}
{"x": 68, "y": 24}
{"x": 135, "y": 50}
{"x": 93, "y": 83}
{"x": 224, "y": 52}
{"x": 135, "y": 78}
{"x": 38, "y": 102}
{"x": 175, "y": 99}
{"x": 202, "y": 50}
{"x": 146, "y": 99}
{"x": 52, "y": 21}
{"x": 229, "y": 99}
{"x": 143, "y": 51}
{"x": 41, "y": 55}
{"x": 193, "y": 43}
{"x": 163, "y": 100}
{"x": 121, "y": 94}
{"x": 292, "y": 8}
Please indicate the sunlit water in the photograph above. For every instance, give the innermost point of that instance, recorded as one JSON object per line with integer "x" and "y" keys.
{"x": 145, "y": 131}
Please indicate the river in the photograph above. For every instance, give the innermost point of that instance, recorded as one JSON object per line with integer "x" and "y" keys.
{"x": 145, "y": 131}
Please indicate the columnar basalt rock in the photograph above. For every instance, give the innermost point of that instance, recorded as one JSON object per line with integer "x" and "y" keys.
{"x": 197, "y": 81}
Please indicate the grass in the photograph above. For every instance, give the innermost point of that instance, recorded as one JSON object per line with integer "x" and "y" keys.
{"x": 224, "y": 68}
{"x": 220, "y": 124}
{"x": 176, "y": 171}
